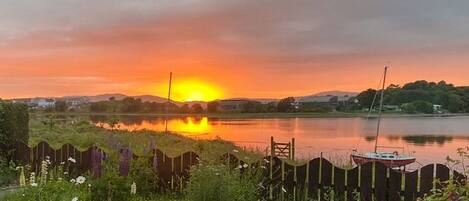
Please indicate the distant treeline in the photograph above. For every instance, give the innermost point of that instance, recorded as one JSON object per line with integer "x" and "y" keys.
{"x": 133, "y": 105}
{"x": 421, "y": 97}
{"x": 415, "y": 97}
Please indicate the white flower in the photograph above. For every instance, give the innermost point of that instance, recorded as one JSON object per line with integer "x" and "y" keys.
{"x": 34, "y": 184}
{"x": 240, "y": 167}
{"x": 236, "y": 151}
{"x": 62, "y": 163}
{"x": 75, "y": 199}
{"x": 72, "y": 180}
{"x": 245, "y": 165}
{"x": 133, "y": 188}
{"x": 81, "y": 180}
{"x": 89, "y": 185}
{"x": 72, "y": 160}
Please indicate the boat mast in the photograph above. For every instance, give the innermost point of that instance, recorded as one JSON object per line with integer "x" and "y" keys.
{"x": 169, "y": 101}
{"x": 380, "y": 108}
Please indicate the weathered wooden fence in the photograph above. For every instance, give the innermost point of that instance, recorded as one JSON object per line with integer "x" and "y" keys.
{"x": 320, "y": 180}
{"x": 317, "y": 179}
{"x": 172, "y": 172}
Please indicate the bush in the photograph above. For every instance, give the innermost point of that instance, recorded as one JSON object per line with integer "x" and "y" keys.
{"x": 14, "y": 126}
{"x": 144, "y": 176}
{"x": 110, "y": 185}
{"x": 219, "y": 182}
{"x": 418, "y": 107}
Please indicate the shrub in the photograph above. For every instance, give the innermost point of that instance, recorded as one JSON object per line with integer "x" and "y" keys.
{"x": 14, "y": 125}
{"x": 144, "y": 176}
{"x": 219, "y": 182}
{"x": 110, "y": 185}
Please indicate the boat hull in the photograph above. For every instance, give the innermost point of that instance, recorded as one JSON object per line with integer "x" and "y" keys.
{"x": 388, "y": 162}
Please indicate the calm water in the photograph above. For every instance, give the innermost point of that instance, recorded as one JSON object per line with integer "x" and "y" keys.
{"x": 430, "y": 139}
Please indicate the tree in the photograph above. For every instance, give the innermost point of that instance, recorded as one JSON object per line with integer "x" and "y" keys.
{"x": 365, "y": 98}
{"x": 212, "y": 107}
{"x": 185, "y": 109}
{"x": 252, "y": 107}
{"x": 197, "y": 108}
{"x": 418, "y": 106}
{"x": 455, "y": 103}
{"x": 60, "y": 106}
{"x": 130, "y": 104}
{"x": 286, "y": 105}
{"x": 100, "y": 106}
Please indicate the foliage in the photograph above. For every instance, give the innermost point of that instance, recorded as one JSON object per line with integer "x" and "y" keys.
{"x": 220, "y": 182}
{"x": 144, "y": 176}
{"x": 454, "y": 189}
{"x": 60, "y": 106}
{"x": 14, "y": 120}
{"x": 286, "y": 105}
{"x": 50, "y": 184}
{"x": 83, "y": 134}
{"x": 451, "y": 98}
{"x": 8, "y": 173}
{"x": 365, "y": 98}
{"x": 111, "y": 186}
{"x": 418, "y": 107}
{"x": 197, "y": 109}
{"x": 212, "y": 107}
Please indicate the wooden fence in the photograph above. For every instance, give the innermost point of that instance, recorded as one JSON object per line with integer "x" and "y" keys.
{"x": 317, "y": 179}
{"x": 172, "y": 172}
{"x": 320, "y": 180}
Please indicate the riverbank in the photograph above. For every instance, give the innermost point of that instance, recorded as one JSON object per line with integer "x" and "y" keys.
{"x": 83, "y": 134}
{"x": 258, "y": 115}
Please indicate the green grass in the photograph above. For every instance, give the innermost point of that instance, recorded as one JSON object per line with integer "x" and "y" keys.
{"x": 83, "y": 135}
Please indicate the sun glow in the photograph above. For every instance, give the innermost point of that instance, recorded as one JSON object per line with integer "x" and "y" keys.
{"x": 195, "y": 90}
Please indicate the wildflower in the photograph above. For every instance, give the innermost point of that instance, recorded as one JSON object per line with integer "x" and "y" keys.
{"x": 34, "y": 184}
{"x": 81, "y": 180}
{"x": 240, "y": 167}
{"x": 245, "y": 165}
{"x": 72, "y": 180}
{"x": 133, "y": 188}
{"x": 236, "y": 151}
{"x": 32, "y": 178}
{"x": 72, "y": 160}
{"x": 75, "y": 199}
{"x": 62, "y": 163}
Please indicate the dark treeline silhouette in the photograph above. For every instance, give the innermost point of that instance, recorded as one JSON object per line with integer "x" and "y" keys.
{"x": 133, "y": 105}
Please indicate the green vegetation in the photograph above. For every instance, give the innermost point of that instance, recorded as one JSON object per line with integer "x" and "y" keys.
{"x": 418, "y": 96}
{"x": 220, "y": 182}
{"x": 83, "y": 135}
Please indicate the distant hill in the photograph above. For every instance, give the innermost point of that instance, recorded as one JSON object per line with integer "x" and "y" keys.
{"x": 335, "y": 93}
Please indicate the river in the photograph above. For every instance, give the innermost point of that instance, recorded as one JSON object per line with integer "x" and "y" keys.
{"x": 430, "y": 139}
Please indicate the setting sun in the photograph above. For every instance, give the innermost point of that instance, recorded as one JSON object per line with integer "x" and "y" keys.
{"x": 195, "y": 90}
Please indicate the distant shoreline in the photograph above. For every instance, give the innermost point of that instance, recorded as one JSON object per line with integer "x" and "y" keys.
{"x": 261, "y": 115}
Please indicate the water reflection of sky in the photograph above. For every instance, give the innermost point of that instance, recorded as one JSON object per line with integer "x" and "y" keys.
{"x": 430, "y": 139}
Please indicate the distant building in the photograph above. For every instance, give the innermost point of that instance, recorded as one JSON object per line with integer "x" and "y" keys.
{"x": 437, "y": 108}
{"x": 42, "y": 102}
{"x": 76, "y": 101}
{"x": 231, "y": 105}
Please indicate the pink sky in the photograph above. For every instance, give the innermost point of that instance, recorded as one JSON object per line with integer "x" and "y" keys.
{"x": 268, "y": 49}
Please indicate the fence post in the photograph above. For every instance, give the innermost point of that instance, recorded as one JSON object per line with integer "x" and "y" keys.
{"x": 292, "y": 151}
{"x": 272, "y": 146}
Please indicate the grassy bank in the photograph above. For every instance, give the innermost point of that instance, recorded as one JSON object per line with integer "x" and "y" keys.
{"x": 83, "y": 135}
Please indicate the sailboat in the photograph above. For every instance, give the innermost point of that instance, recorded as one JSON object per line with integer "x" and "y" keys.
{"x": 390, "y": 159}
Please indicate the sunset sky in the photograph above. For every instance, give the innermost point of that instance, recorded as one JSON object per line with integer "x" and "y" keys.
{"x": 222, "y": 49}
